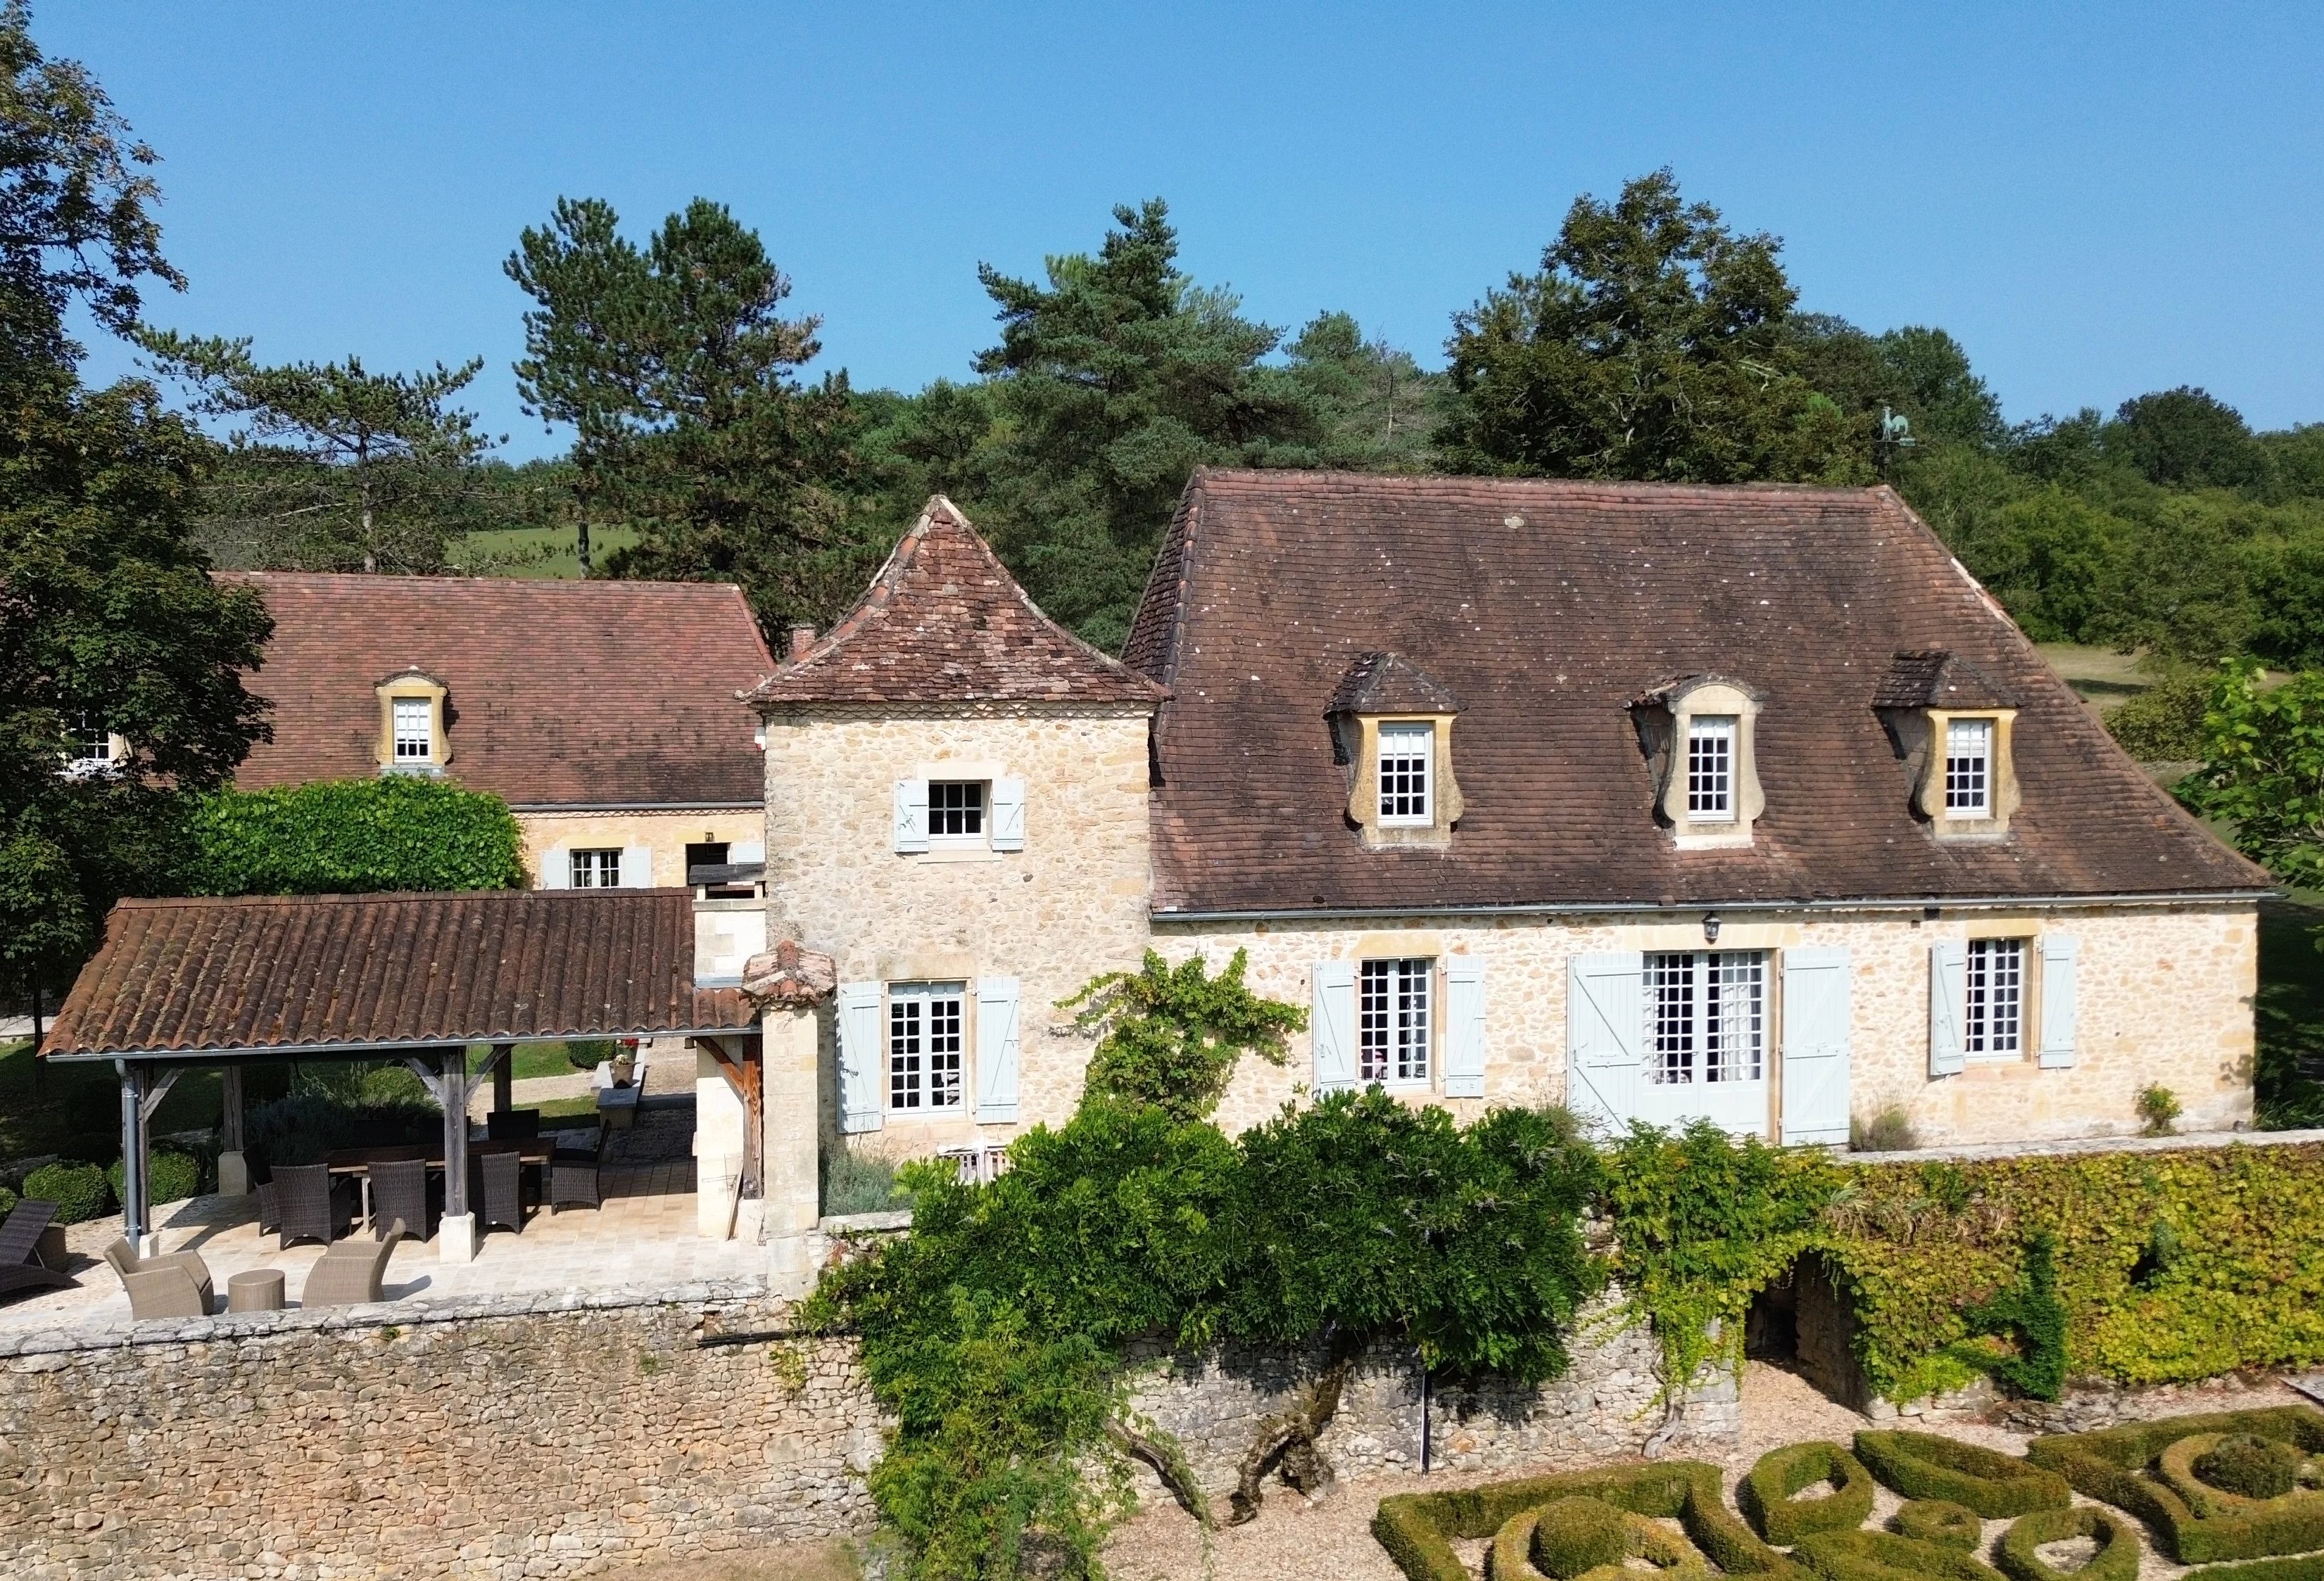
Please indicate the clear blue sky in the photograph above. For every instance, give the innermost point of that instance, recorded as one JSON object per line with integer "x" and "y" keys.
{"x": 2097, "y": 201}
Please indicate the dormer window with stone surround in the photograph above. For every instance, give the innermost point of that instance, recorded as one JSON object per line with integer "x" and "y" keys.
{"x": 1951, "y": 726}
{"x": 1701, "y": 738}
{"x": 411, "y": 724}
{"x": 1392, "y": 727}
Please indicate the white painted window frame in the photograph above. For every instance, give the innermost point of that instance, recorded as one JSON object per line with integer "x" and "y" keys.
{"x": 1710, "y": 788}
{"x": 1995, "y": 980}
{"x": 917, "y": 1004}
{"x": 1969, "y": 788}
{"x": 979, "y": 840}
{"x": 402, "y": 713}
{"x": 590, "y": 861}
{"x": 1398, "y": 1049}
{"x": 1696, "y": 1032}
{"x": 1410, "y": 746}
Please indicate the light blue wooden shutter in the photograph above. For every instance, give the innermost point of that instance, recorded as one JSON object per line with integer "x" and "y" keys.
{"x": 1009, "y": 814}
{"x": 911, "y": 815}
{"x": 2061, "y": 956}
{"x": 1948, "y": 998}
{"x": 996, "y": 1051}
{"x": 747, "y": 850}
{"x": 556, "y": 868}
{"x": 637, "y": 867}
{"x": 859, "y": 1057}
{"x": 1604, "y": 1023}
{"x": 1465, "y": 1028}
{"x": 1332, "y": 1025}
{"x": 1816, "y": 1025}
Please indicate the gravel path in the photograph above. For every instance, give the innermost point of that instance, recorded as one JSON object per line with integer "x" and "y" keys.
{"x": 1295, "y": 1540}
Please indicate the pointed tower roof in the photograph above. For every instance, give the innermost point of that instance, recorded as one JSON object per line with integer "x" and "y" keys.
{"x": 944, "y": 622}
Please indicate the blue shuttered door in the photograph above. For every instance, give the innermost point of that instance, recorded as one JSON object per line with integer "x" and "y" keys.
{"x": 1817, "y": 1014}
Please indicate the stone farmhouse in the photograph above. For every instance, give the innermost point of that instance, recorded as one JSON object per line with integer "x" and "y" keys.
{"x": 605, "y": 713}
{"x": 1661, "y": 802}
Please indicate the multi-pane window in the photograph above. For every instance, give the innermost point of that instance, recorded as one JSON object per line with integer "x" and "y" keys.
{"x": 1707, "y": 1015}
{"x": 955, "y": 809}
{"x": 1995, "y": 1014}
{"x": 415, "y": 729}
{"x": 92, "y": 743}
{"x": 597, "y": 869}
{"x": 924, "y": 1046}
{"x": 1968, "y": 768}
{"x": 1405, "y": 753}
{"x": 1392, "y": 1018}
{"x": 1710, "y": 769}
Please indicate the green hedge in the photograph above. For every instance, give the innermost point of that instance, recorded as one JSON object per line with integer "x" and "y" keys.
{"x": 2111, "y": 1465}
{"x": 1942, "y": 1522}
{"x": 173, "y": 1178}
{"x": 1923, "y": 1466}
{"x": 2304, "y": 1568}
{"x": 1766, "y": 1493}
{"x": 352, "y": 836}
{"x": 7, "y": 1203}
{"x": 2250, "y": 1468}
{"x": 1417, "y": 1529}
{"x": 1920, "y": 1248}
{"x": 1569, "y": 1536}
{"x": 78, "y": 1190}
{"x": 2116, "y": 1557}
{"x": 1882, "y": 1556}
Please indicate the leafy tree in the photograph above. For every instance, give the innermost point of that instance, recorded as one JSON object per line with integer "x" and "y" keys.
{"x": 2263, "y": 770}
{"x": 2187, "y": 437}
{"x": 339, "y": 467}
{"x": 678, "y": 371}
{"x": 1652, "y": 344}
{"x": 108, "y": 620}
{"x": 1171, "y": 1036}
{"x": 1376, "y": 407}
{"x": 1112, "y": 383}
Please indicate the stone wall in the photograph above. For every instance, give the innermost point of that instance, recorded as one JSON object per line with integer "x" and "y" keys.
{"x": 666, "y": 832}
{"x": 497, "y": 1438}
{"x": 2164, "y": 997}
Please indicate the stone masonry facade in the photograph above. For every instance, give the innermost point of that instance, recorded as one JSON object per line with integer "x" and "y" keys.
{"x": 665, "y": 832}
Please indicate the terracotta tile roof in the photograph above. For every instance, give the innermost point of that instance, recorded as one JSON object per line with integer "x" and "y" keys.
{"x": 1934, "y": 678}
{"x": 1547, "y": 608}
{"x": 331, "y": 971}
{"x": 560, "y": 693}
{"x": 944, "y": 622}
{"x": 1384, "y": 683}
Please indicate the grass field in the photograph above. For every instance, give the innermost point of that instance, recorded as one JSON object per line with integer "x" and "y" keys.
{"x": 76, "y": 1109}
{"x": 2099, "y": 675}
{"x": 535, "y": 551}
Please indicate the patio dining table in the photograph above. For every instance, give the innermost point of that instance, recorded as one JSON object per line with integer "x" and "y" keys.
{"x": 532, "y": 1149}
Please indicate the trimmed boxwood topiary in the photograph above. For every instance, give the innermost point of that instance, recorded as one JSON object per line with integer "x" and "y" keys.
{"x": 1941, "y": 1521}
{"x": 1587, "y": 1540}
{"x": 174, "y": 1178}
{"x": 1571, "y": 1536}
{"x": 2111, "y": 1464}
{"x": 1766, "y": 1494}
{"x": 2300, "y": 1567}
{"x": 78, "y": 1190}
{"x": 1882, "y": 1556}
{"x": 1417, "y": 1529}
{"x": 2116, "y": 1557}
{"x": 1923, "y": 1466}
{"x": 2249, "y": 1466}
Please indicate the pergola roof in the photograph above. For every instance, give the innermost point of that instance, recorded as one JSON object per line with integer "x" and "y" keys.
{"x": 356, "y": 973}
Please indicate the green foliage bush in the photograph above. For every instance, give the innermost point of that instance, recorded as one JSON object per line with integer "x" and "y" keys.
{"x": 2114, "y": 1558}
{"x": 174, "y": 1177}
{"x": 2030, "y": 1314}
{"x": 861, "y": 1182}
{"x": 1925, "y": 1466}
{"x": 2164, "y": 723}
{"x": 355, "y": 836}
{"x": 1572, "y": 1535}
{"x": 1170, "y": 1036}
{"x": 2300, "y": 1567}
{"x": 300, "y": 1127}
{"x": 78, "y": 1190}
{"x": 2111, "y": 1464}
{"x": 1418, "y": 1529}
{"x": 1942, "y": 1522}
{"x": 7, "y": 1204}
{"x": 1883, "y": 1555}
{"x": 1587, "y": 1540}
{"x": 2250, "y": 1466}
{"x": 1766, "y": 1491}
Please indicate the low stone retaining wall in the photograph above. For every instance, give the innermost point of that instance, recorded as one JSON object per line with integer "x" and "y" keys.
{"x": 503, "y": 1437}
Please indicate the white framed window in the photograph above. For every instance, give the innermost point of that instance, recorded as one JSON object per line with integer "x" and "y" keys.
{"x": 956, "y": 811}
{"x": 926, "y": 1051}
{"x": 1707, "y": 1016}
{"x": 1393, "y": 1020}
{"x": 1710, "y": 769}
{"x": 1406, "y": 752}
{"x": 415, "y": 729}
{"x": 1993, "y": 1015}
{"x": 597, "y": 868}
{"x": 1968, "y": 768}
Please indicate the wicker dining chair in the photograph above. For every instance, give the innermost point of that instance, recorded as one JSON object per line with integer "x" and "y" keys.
{"x": 496, "y": 1189}
{"x": 270, "y": 1207}
{"x": 399, "y": 1195}
{"x": 574, "y": 1181}
{"x": 513, "y": 1125}
{"x": 312, "y": 1208}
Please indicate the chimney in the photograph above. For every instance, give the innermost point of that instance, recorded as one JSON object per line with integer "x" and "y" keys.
{"x": 802, "y": 639}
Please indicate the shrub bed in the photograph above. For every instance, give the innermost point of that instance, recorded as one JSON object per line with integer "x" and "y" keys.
{"x": 1882, "y": 1556}
{"x": 1766, "y": 1493}
{"x": 78, "y": 1190}
{"x": 1588, "y": 1540}
{"x": 2112, "y": 1466}
{"x": 174, "y": 1177}
{"x": 1923, "y": 1466}
{"x": 2303, "y": 1568}
{"x": 2116, "y": 1557}
{"x": 1942, "y": 1521}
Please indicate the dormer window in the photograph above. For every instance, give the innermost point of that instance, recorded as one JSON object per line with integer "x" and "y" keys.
{"x": 1392, "y": 729}
{"x": 1968, "y": 768}
{"x": 1710, "y": 769}
{"x": 1407, "y": 752}
{"x": 413, "y": 724}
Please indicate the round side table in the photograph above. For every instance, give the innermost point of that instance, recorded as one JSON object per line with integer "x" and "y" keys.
{"x": 254, "y": 1290}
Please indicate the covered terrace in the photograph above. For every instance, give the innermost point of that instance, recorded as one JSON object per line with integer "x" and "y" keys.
{"x": 418, "y": 979}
